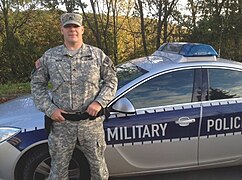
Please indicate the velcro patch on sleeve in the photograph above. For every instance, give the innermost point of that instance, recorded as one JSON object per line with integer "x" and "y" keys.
{"x": 37, "y": 64}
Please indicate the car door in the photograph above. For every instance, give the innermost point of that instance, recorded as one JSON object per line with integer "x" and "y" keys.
{"x": 220, "y": 138}
{"x": 163, "y": 133}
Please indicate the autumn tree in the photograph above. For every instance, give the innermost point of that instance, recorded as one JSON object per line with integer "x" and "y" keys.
{"x": 13, "y": 19}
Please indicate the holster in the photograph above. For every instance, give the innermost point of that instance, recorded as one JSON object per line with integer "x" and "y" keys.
{"x": 48, "y": 124}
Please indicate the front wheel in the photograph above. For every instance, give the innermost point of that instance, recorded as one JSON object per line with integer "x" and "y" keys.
{"x": 37, "y": 166}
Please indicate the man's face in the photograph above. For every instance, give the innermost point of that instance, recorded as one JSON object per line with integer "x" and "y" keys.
{"x": 72, "y": 33}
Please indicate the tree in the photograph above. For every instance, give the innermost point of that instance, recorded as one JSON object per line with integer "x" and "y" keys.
{"x": 29, "y": 28}
{"x": 142, "y": 26}
{"x": 104, "y": 22}
{"x": 219, "y": 24}
{"x": 94, "y": 27}
{"x": 13, "y": 19}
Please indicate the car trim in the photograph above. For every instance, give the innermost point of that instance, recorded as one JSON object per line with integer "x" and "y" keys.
{"x": 177, "y": 107}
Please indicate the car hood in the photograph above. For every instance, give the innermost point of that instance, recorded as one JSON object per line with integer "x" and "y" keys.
{"x": 22, "y": 113}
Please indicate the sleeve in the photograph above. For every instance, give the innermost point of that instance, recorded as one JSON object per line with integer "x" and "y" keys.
{"x": 39, "y": 87}
{"x": 109, "y": 84}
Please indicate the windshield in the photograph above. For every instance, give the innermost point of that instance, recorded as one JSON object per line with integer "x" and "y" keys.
{"x": 127, "y": 72}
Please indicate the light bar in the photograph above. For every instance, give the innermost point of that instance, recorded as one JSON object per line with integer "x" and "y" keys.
{"x": 189, "y": 49}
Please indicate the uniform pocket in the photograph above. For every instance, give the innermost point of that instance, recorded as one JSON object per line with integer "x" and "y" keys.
{"x": 56, "y": 84}
{"x": 57, "y": 75}
{"x": 89, "y": 70}
{"x": 101, "y": 145}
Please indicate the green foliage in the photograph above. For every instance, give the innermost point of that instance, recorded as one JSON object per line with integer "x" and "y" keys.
{"x": 10, "y": 89}
{"x": 220, "y": 25}
{"x": 27, "y": 32}
{"x": 27, "y": 43}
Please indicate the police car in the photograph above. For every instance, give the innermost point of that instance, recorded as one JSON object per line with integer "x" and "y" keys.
{"x": 178, "y": 109}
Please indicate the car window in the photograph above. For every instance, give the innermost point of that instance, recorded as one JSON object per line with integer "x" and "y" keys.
{"x": 167, "y": 89}
{"x": 224, "y": 84}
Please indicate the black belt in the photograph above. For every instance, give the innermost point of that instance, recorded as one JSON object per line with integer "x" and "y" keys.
{"x": 77, "y": 116}
{"x": 74, "y": 117}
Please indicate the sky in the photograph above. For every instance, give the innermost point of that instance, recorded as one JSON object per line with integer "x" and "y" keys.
{"x": 182, "y": 4}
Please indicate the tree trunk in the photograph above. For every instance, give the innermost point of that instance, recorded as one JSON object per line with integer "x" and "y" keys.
{"x": 140, "y": 6}
{"x": 159, "y": 26}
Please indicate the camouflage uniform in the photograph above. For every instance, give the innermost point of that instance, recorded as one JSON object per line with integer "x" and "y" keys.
{"x": 76, "y": 81}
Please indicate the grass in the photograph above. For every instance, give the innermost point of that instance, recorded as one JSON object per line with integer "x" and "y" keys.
{"x": 11, "y": 90}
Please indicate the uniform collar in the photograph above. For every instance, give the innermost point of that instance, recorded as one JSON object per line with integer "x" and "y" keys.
{"x": 83, "y": 51}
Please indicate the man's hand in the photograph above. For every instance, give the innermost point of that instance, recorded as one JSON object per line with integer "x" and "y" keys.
{"x": 56, "y": 116}
{"x": 94, "y": 108}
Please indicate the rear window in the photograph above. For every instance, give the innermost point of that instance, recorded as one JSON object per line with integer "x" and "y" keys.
{"x": 224, "y": 84}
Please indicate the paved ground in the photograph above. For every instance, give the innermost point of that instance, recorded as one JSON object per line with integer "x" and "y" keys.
{"x": 231, "y": 173}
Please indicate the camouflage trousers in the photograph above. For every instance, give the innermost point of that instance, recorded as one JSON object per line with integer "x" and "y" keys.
{"x": 62, "y": 140}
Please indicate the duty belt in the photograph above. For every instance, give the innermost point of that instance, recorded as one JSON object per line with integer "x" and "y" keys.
{"x": 78, "y": 116}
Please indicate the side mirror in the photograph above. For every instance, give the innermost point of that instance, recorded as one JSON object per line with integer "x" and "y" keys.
{"x": 123, "y": 105}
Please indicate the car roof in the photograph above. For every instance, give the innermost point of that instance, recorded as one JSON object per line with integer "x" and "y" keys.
{"x": 157, "y": 63}
{"x": 183, "y": 54}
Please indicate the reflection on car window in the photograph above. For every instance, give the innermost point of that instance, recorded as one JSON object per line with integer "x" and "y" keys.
{"x": 171, "y": 88}
{"x": 224, "y": 84}
{"x": 127, "y": 72}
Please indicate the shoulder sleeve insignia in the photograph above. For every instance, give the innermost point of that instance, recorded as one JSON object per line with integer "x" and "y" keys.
{"x": 37, "y": 64}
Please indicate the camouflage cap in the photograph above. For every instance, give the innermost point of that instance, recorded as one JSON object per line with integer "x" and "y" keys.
{"x": 71, "y": 18}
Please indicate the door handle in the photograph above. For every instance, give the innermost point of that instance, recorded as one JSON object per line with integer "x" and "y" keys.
{"x": 185, "y": 121}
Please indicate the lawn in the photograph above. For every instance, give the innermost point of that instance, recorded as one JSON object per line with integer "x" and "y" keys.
{"x": 9, "y": 91}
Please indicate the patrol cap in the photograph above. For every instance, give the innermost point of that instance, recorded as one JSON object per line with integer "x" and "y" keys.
{"x": 71, "y": 18}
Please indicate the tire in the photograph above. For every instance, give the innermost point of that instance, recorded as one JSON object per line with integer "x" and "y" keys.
{"x": 37, "y": 166}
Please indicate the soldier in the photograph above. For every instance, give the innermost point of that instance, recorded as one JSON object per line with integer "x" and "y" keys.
{"x": 83, "y": 81}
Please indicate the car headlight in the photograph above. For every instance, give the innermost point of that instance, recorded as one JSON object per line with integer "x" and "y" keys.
{"x": 8, "y": 132}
